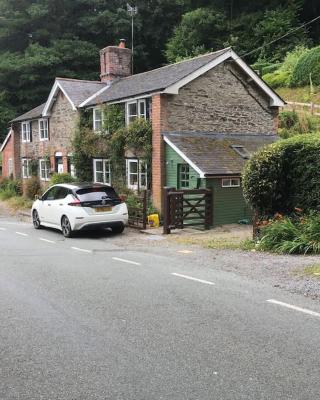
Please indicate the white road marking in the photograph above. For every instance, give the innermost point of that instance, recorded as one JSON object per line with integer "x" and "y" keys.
{"x": 292, "y": 307}
{"x": 185, "y": 251}
{"x": 125, "y": 261}
{"x": 193, "y": 279}
{"x": 83, "y": 250}
{"x": 2, "y": 229}
{"x": 21, "y": 234}
{"x": 47, "y": 240}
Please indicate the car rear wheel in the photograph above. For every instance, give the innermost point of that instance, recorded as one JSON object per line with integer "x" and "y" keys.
{"x": 66, "y": 227}
{"x": 36, "y": 220}
{"x": 118, "y": 229}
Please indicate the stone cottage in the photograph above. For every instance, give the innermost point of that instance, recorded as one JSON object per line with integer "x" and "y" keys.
{"x": 208, "y": 115}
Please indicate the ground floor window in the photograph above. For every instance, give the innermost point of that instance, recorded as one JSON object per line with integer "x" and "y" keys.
{"x": 183, "y": 176}
{"x": 44, "y": 166}
{"x": 26, "y": 173}
{"x": 10, "y": 167}
{"x": 230, "y": 182}
{"x": 137, "y": 174}
{"x": 58, "y": 163}
{"x": 101, "y": 171}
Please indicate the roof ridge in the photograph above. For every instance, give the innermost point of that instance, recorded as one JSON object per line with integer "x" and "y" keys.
{"x": 178, "y": 62}
{"x": 78, "y": 80}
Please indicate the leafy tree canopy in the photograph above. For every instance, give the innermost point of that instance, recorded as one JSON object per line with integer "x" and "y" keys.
{"x": 42, "y": 39}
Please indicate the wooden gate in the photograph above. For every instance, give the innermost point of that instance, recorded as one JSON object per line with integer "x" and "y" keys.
{"x": 187, "y": 208}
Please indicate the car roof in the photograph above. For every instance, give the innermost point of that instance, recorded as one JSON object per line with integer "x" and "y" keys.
{"x": 81, "y": 185}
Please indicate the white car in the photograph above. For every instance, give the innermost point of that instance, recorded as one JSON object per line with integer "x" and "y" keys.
{"x": 80, "y": 206}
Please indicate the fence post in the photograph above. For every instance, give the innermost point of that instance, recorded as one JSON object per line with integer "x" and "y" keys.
{"x": 166, "y": 210}
{"x": 208, "y": 210}
{"x": 144, "y": 209}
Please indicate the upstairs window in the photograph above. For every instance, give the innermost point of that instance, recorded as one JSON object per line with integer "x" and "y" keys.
{"x": 43, "y": 129}
{"x": 97, "y": 119}
{"x": 26, "y": 132}
{"x": 136, "y": 109}
{"x": 231, "y": 182}
{"x": 25, "y": 163}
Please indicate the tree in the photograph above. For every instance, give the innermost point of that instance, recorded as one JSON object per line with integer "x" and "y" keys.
{"x": 200, "y": 31}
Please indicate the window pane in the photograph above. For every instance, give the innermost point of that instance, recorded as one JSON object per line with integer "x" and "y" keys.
{"x": 142, "y": 108}
{"x": 97, "y": 114}
{"x": 132, "y": 109}
{"x": 99, "y": 166}
{"x": 133, "y": 166}
{"x": 99, "y": 177}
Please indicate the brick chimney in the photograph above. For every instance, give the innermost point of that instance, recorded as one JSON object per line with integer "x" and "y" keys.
{"x": 115, "y": 62}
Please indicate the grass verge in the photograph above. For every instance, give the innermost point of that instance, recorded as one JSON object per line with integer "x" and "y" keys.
{"x": 313, "y": 270}
{"x": 232, "y": 243}
{"x": 16, "y": 203}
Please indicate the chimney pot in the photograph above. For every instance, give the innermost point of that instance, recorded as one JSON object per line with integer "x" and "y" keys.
{"x": 122, "y": 43}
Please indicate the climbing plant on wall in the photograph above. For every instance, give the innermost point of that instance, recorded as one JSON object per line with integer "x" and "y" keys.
{"x": 111, "y": 142}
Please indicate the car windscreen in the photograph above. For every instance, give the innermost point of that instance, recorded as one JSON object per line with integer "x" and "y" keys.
{"x": 96, "y": 194}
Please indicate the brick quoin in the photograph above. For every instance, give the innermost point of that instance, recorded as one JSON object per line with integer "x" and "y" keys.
{"x": 159, "y": 103}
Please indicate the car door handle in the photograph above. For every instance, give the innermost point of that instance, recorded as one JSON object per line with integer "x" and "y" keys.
{"x": 61, "y": 204}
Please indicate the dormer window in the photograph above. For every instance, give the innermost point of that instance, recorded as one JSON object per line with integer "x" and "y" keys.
{"x": 43, "y": 129}
{"x": 97, "y": 119}
{"x": 136, "y": 109}
{"x": 26, "y": 132}
{"x": 241, "y": 150}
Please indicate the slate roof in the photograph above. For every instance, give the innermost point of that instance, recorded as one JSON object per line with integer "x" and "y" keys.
{"x": 32, "y": 114}
{"x": 80, "y": 90}
{"x": 212, "y": 152}
{"x": 154, "y": 80}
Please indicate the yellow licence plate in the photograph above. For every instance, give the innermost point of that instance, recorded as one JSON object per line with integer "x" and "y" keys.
{"x": 103, "y": 209}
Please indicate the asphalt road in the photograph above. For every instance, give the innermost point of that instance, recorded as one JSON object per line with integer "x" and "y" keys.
{"x": 86, "y": 319}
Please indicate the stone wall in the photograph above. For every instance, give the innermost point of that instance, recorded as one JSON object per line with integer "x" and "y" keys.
{"x": 222, "y": 101}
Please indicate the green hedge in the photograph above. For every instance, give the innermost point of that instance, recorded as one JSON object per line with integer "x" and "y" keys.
{"x": 308, "y": 64}
{"x": 284, "y": 175}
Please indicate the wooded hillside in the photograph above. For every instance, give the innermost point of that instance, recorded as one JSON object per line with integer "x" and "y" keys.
{"x": 46, "y": 38}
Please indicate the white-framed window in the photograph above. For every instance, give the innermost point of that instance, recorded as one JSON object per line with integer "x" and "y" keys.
{"x": 44, "y": 169}
{"x": 102, "y": 171}
{"x": 26, "y": 132}
{"x": 97, "y": 119}
{"x": 10, "y": 167}
{"x": 230, "y": 182}
{"x": 25, "y": 164}
{"x": 137, "y": 174}
{"x": 184, "y": 176}
{"x": 136, "y": 109}
{"x": 43, "y": 129}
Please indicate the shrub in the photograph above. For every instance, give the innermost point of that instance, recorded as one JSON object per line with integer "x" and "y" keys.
{"x": 294, "y": 235}
{"x": 278, "y": 78}
{"x": 288, "y": 119}
{"x": 32, "y": 187}
{"x": 61, "y": 178}
{"x": 308, "y": 64}
{"x": 284, "y": 175}
{"x": 10, "y": 187}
